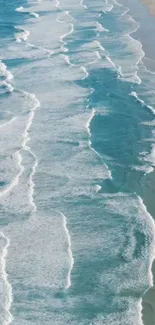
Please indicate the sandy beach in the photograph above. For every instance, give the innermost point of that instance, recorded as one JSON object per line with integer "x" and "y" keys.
{"x": 151, "y": 5}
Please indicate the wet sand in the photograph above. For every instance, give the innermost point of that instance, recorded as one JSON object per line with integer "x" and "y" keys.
{"x": 151, "y": 6}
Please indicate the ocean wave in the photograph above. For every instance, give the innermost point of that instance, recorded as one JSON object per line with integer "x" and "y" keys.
{"x": 19, "y": 9}
{"x": 70, "y": 254}
{"x": 34, "y": 104}
{"x": 22, "y": 35}
{"x": 63, "y": 48}
{"x": 100, "y": 28}
{"x": 134, "y": 94}
{"x": 34, "y": 14}
{"x": 5, "y": 72}
{"x": 6, "y": 289}
{"x": 31, "y": 13}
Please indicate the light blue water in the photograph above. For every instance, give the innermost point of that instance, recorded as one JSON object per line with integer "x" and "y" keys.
{"x": 76, "y": 151}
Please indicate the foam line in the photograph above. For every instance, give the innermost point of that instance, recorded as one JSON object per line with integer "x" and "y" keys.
{"x": 152, "y": 227}
{"x": 19, "y": 9}
{"x": 57, "y": 5}
{"x": 15, "y": 181}
{"x": 100, "y": 28}
{"x": 6, "y": 73}
{"x": 8, "y": 318}
{"x": 47, "y": 51}
{"x": 35, "y": 104}
{"x": 23, "y": 35}
{"x": 89, "y": 141}
{"x": 97, "y": 188}
{"x": 70, "y": 255}
{"x": 83, "y": 5}
{"x": 67, "y": 60}
{"x": 67, "y": 13}
{"x": 8, "y": 86}
{"x": 89, "y": 121}
{"x": 98, "y": 55}
{"x": 64, "y": 49}
{"x": 3, "y": 125}
{"x": 98, "y": 44}
{"x": 85, "y": 72}
{"x": 134, "y": 94}
{"x": 34, "y": 14}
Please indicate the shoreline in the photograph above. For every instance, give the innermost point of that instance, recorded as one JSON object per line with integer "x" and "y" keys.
{"x": 151, "y": 6}
{"x": 139, "y": 10}
{"x": 143, "y": 11}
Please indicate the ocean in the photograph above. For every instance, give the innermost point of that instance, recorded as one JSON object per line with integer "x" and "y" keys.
{"x": 77, "y": 158}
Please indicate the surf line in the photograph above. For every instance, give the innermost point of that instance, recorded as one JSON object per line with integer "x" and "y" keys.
{"x": 31, "y": 13}
{"x": 134, "y": 94}
{"x": 63, "y": 48}
{"x": 70, "y": 254}
{"x": 35, "y": 104}
{"x": 22, "y": 35}
{"x": 83, "y": 5}
{"x": 8, "y": 77}
{"x": 92, "y": 115}
{"x": 57, "y": 5}
{"x": 8, "y": 301}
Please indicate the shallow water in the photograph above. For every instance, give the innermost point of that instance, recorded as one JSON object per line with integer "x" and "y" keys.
{"x": 77, "y": 153}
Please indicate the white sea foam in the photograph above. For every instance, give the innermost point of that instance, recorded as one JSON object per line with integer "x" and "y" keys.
{"x": 82, "y": 4}
{"x": 15, "y": 181}
{"x": 149, "y": 157}
{"x": 47, "y": 51}
{"x": 8, "y": 86}
{"x": 66, "y": 13}
{"x": 19, "y": 9}
{"x": 5, "y": 72}
{"x": 132, "y": 78}
{"x": 145, "y": 169}
{"x": 3, "y": 125}
{"x": 150, "y": 123}
{"x": 89, "y": 121}
{"x": 70, "y": 255}
{"x": 107, "y": 56}
{"x": 7, "y": 317}
{"x": 151, "y": 225}
{"x": 100, "y": 28}
{"x": 98, "y": 55}
{"x": 85, "y": 72}
{"x": 57, "y": 4}
{"x": 34, "y": 103}
{"x": 134, "y": 94}
{"x": 93, "y": 112}
{"x": 67, "y": 60}
{"x": 97, "y": 188}
{"x": 22, "y": 35}
{"x": 34, "y": 14}
{"x": 63, "y": 48}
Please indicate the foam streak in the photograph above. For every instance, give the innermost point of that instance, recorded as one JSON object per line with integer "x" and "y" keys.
{"x": 70, "y": 255}
{"x": 8, "y": 299}
{"x": 26, "y": 139}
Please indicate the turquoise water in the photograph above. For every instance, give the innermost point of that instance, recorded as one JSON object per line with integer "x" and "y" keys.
{"x": 76, "y": 150}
